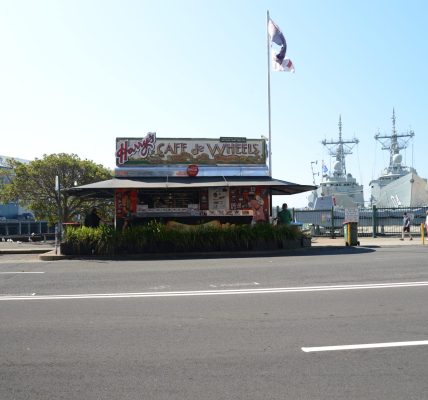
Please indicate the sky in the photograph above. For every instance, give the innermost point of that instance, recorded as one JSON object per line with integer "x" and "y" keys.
{"x": 76, "y": 74}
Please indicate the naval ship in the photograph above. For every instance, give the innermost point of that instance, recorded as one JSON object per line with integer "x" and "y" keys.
{"x": 338, "y": 188}
{"x": 398, "y": 185}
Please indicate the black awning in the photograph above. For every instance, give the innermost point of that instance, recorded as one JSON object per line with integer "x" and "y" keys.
{"x": 106, "y": 188}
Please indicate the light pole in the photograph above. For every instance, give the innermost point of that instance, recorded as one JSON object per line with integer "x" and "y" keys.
{"x": 58, "y": 230}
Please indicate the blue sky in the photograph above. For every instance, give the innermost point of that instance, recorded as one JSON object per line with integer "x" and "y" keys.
{"x": 77, "y": 74}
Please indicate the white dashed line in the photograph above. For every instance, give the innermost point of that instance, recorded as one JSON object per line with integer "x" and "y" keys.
{"x": 21, "y": 272}
{"x": 365, "y": 346}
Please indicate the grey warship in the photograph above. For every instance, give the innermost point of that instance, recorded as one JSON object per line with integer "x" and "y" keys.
{"x": 398, "y": 185}
{"x": 338, "y": 188}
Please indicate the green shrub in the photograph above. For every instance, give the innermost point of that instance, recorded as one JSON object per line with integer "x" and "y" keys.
{"x": 155, "y": 237}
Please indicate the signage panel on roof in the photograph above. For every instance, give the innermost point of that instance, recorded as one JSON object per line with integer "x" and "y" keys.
{"x": 151, "y": 150}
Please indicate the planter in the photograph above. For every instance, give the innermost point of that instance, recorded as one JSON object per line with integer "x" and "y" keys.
{"x": 306, "y": 241}
{"x": 262, "y": 244}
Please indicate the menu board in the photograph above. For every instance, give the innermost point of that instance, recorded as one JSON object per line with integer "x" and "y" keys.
{"x": 218, "y": 198}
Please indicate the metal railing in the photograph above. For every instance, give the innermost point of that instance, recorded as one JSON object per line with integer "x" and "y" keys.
{"x": 14, "y": 228}
{"x": 371, "y": 222}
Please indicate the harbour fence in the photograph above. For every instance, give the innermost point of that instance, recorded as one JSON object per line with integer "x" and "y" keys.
{"x": 371, "y": 222}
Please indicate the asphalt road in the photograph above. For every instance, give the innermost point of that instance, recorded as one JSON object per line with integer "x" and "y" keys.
{"x": 250, "y": 328}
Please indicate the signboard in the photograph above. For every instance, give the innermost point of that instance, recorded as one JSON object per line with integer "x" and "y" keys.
{"x": 192, "y": 170}
{"x": 351, "y": 215}
{"x": 218, "y": 198}
{"x": 126, "y": 202}
{"x": 151, "y": 150}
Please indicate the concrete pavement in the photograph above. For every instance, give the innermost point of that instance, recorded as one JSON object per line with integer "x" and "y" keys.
{"x": 18, "y": 247}
{"x": 368, "y": 241}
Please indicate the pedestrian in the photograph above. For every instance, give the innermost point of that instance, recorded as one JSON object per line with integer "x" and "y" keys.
{"x": 284, "y": 216}
{"x": 426, "y": 223}
{"x": 406, "y": 227}
{"x": 92, "y": 220}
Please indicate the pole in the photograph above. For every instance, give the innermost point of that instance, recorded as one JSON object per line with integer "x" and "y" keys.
{"x": 374, "y": 221}
{"x": 268, "y": 65}
{"x": 58, "y": 230}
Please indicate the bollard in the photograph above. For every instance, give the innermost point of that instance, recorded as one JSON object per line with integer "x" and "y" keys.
{"x": 423, "y": 233}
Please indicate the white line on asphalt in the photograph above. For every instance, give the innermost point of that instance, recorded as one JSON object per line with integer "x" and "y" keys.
{"x": 22, "y": 272}
{"x": 217, "y": 292}
{"x": 21, "y": 261}
{"x": 365, "y": 346}
{"x": 235, "y": 284}
{"x": 159, "y": 287}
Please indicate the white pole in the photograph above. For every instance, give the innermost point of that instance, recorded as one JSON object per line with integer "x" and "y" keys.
{"x": 268, "y": 65}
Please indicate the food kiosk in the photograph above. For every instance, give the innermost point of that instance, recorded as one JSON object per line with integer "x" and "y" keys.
{"x": 191, "y": 181}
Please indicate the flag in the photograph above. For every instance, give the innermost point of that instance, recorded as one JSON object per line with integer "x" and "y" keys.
{"x": 276, "y": 35}
{"x": 286, "y": 65}
{"x": 324, "y": 169}
{"x": 279, "y": 62}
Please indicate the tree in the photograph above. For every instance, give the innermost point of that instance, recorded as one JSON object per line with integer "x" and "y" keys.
{"x": 33, "y": 186}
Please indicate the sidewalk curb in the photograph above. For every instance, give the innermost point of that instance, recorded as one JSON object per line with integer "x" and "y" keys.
{"x": 25, "y": 251}
{"x": 51, "y": 256}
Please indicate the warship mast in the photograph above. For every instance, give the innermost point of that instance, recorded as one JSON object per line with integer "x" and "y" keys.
{"x": 344, "y": 148}
{"x": 394, "y": 143}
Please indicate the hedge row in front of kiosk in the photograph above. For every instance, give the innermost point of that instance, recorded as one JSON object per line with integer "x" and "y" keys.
{"x": 179, "y": 238}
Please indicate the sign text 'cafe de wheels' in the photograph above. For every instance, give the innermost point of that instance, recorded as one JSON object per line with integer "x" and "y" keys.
{"x": 191, "y": 181}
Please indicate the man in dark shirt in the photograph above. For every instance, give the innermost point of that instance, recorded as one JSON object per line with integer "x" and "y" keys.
{"x": 284, "y": 216}
{"x": 92, "y": 220}
{"x": 406, "y": 227}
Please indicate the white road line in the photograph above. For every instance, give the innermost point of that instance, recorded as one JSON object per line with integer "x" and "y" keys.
{"x": 21, "y": 261}
{"x": 21, "y": 272}
{"x": 365, "y": 346}
{"x": 235, "y": 284}
{"x": 216, "y": 292}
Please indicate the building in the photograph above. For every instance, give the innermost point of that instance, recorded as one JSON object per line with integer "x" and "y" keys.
{"x": 192, "y": 181}
{"x": 11, "y": 210}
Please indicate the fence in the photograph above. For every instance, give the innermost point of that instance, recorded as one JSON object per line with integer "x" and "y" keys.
{"x": 372, "y": 222}
{"x": 14, "y": 228}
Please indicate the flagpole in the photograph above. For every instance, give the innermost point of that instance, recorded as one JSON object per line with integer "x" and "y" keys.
{"x": 268, "y": 67}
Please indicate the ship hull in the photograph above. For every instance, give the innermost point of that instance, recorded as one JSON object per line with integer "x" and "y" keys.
{"x": 409, "y": 190}
{"x": 341, "y": 193}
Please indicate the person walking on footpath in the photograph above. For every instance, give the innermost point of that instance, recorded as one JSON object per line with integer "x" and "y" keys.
{"x": 426, "y": 224}
{"x": 406, "y": 227}
{"x": 284, "y": 216}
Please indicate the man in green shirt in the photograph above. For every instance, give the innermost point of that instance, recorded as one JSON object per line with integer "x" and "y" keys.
{"x": 284, "y": 216}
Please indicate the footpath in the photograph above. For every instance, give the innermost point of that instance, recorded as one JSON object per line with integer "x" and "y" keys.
{"x": 47, "y": 251}
{"x": 368, "y": 241}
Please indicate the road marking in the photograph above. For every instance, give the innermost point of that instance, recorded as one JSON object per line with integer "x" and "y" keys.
{"x": 21, "y": 272}
{"x": 21, "y": 261}
{"x": 365, "y": 346}
{"x": 216, "y": 292}
{"x": 235, "y": 284}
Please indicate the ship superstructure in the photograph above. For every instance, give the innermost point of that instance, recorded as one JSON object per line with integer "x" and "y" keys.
{"x": 338, "y": 188}
{"x": 398, "y": 185}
